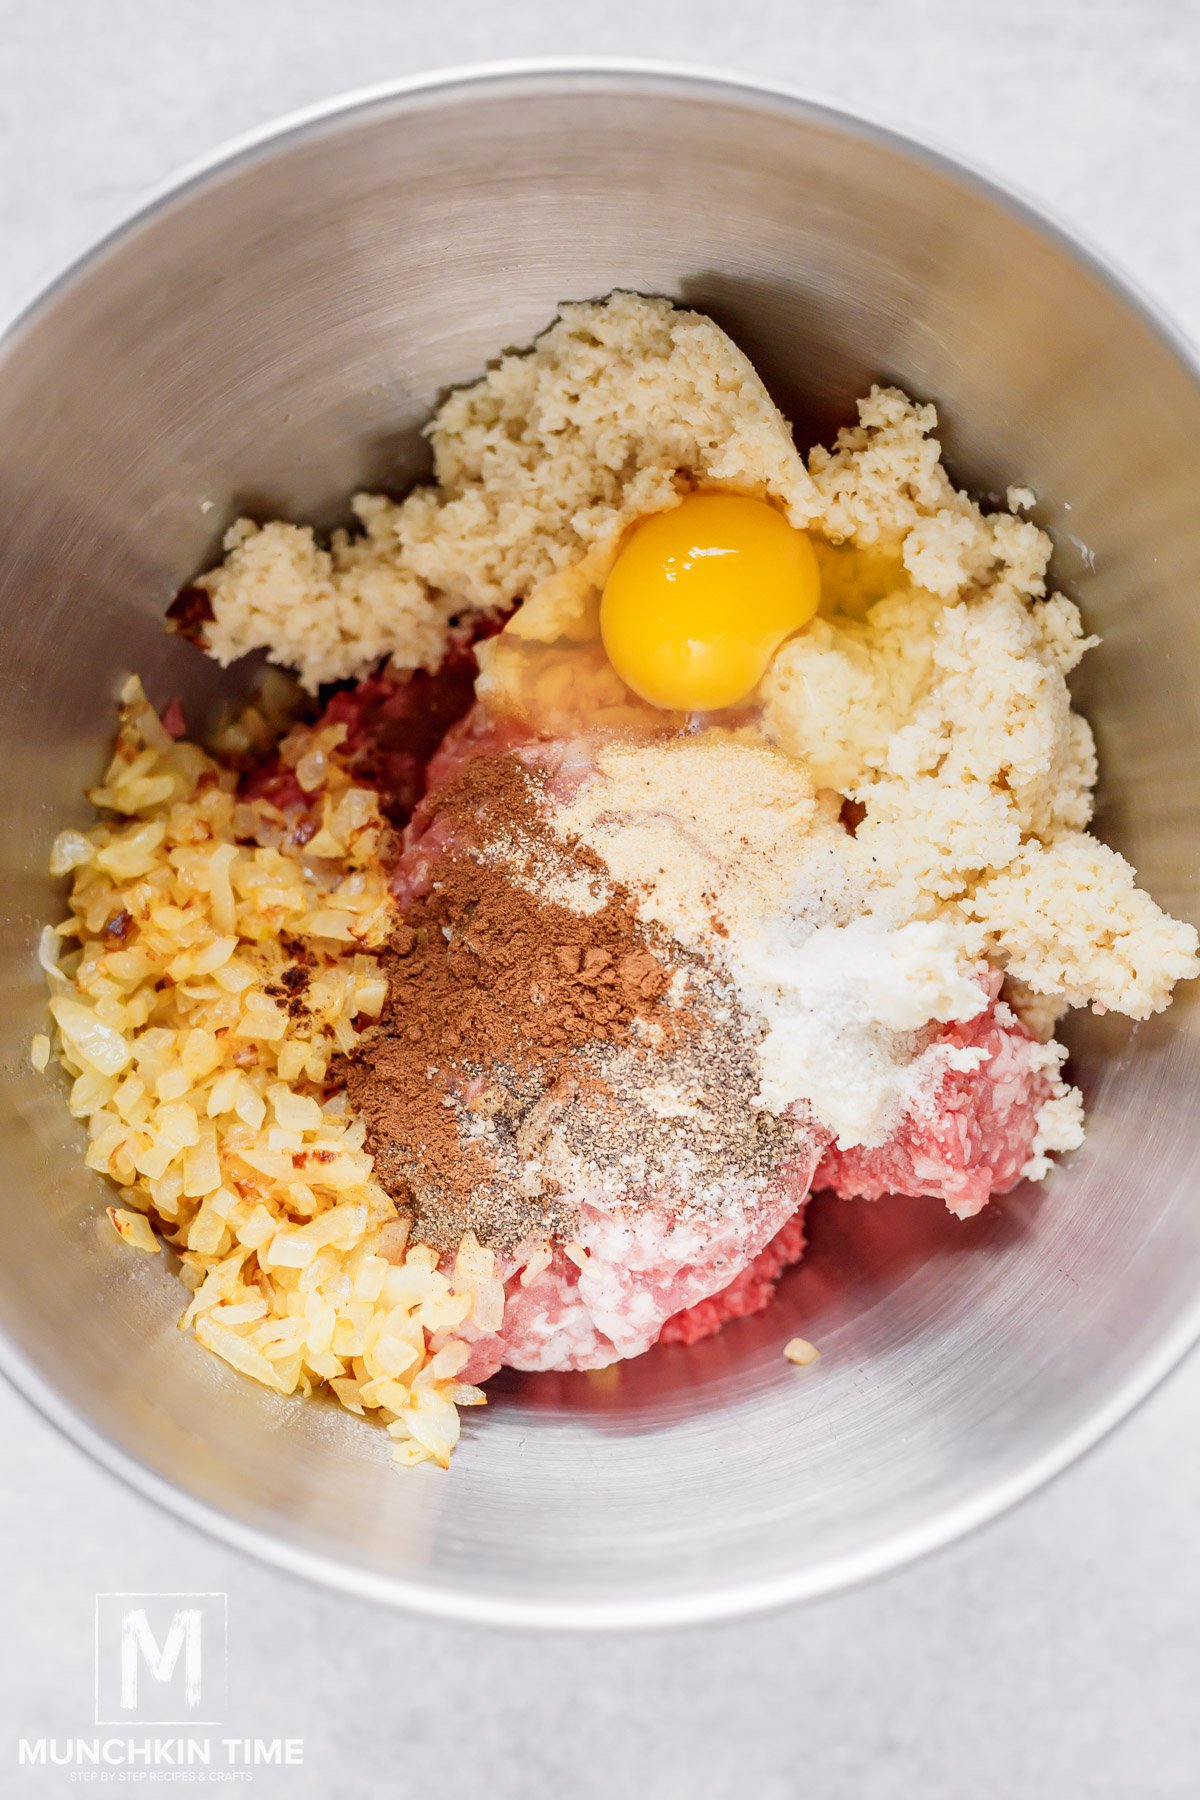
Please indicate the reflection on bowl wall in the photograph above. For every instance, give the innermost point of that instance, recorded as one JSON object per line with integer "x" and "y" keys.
{"x": 271, "y": 336}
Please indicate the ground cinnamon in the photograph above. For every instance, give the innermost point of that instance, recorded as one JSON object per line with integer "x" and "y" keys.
{"x": 493, "y": 990}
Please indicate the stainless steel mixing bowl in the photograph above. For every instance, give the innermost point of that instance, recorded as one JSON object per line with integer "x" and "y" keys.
{"x": 269, "y": 336}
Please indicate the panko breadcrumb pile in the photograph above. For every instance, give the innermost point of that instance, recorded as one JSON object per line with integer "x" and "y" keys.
{"x": 538, "y": 466}
{"x": 226, "y": 949}
{"x": 943, "y": 709}
{"x": 944, "y": 712}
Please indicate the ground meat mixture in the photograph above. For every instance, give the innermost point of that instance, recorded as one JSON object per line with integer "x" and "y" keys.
{"x": 519, "y": 1033}
{"x": 567, "y": 1084}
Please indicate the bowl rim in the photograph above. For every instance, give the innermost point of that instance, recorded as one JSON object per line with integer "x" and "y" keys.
{"x": 943, "y": 1526}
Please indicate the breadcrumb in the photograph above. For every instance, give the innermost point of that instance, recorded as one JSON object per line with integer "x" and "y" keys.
{"x": 836, "y": 694}
{"x": 561, "y": 446}
{"x": 1071, "y": 923}
{"x": 330, "y": 614}
{"x": 614, "y": 411}
{"x": 943, "y": 711}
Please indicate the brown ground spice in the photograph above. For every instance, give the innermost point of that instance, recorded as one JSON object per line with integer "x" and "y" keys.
{"x": 488, "y": 977}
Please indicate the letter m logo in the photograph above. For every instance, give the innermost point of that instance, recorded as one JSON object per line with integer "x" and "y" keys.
{"x": 160, "y": 1658}
{"x": 138, "y": 1646}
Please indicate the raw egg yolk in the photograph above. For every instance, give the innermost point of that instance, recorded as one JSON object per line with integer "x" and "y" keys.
{"x": 701, "y": 597}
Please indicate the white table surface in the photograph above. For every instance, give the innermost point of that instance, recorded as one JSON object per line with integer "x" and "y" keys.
{"x": 1058, "y": 1653}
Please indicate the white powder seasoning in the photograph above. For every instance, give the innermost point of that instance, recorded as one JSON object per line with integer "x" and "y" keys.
{"x": 722, "y": 841}
{"x": 846, "y": 1007}
{"x": 706, "y": 830}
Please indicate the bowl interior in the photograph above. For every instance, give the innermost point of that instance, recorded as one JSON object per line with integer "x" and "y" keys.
{"x": 271, "y": 337}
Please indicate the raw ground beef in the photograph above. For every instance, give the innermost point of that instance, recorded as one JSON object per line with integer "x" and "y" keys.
{"x": 648, "y": 1278}
{"x": 646, "y": 1271}
{"x": 975, "y": 1134}
{"x": 395, "y": 724}
{"x": 747, "y": 1293}
{"x": 970, "y": 1145}
{"x": 648, "y": 1259}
